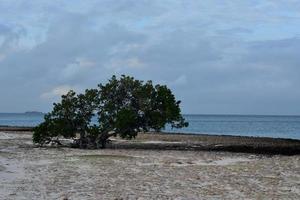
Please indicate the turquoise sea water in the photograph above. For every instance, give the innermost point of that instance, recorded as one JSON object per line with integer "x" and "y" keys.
{"x": 244, "y": 125}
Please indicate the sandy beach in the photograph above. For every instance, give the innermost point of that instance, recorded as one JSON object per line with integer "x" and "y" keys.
{"x": 149, "y": 100}
{"x": 27, "y": 172}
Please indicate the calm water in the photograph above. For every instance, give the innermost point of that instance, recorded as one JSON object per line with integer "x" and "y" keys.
{"x": 245, "y": 125}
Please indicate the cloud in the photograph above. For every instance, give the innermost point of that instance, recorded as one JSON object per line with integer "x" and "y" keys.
{"x": 10, "y": 39}
{"x": 56, "y": 92}
{"x": 235, "y": 31}
{"x": 77, "y": 68}
{"x": 275, "y": 53}
{"x": 119, "y": 65}
{"x": 230, "y": 57}
{"x": 181, "y": 80}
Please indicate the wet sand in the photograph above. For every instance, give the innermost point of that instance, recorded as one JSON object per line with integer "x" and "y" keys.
{"x": 198, "y": 142}
{"x": 55, "y": 173}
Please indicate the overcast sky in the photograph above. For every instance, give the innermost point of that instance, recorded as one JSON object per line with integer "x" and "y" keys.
{"x": 228, "y": 57}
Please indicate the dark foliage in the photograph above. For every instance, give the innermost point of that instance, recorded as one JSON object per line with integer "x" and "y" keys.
{"x": 123, "y": 108}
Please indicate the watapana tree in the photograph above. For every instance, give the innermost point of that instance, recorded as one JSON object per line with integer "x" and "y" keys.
{"x": 123, "y": 107}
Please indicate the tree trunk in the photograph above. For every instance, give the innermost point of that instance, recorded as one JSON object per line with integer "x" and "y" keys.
{"x": 82, "y": 140}
{"x": 103, "y": 140}
{"x": 103, "y": 144}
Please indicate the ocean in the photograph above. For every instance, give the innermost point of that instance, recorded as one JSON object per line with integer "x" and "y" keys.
{"x": 242, "y": 125}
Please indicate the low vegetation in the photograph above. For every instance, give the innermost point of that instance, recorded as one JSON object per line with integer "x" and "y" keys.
{"x": 123, "y": 107}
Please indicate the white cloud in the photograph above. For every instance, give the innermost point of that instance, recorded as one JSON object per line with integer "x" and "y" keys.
{"x": 134, "y": 63}
{"x": 80, "y": 66}
{"x": 122, "y": 64}
{"x": 83, "y": 62}
{"x": 181, "y": 80}
{"x": 56, "y": 92}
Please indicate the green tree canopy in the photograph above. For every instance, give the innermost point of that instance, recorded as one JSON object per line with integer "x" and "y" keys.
{"x": 123, "y": 107}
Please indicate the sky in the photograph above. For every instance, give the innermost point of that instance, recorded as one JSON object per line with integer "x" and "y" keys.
{"x": 218, "y": 57}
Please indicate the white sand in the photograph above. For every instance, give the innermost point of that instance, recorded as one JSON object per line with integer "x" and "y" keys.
{"x": 54, "y": 173}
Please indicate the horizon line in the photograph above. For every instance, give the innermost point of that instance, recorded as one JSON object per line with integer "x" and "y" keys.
{"x": 211, "y": 114}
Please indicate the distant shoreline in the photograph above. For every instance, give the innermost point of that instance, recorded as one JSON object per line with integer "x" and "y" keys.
{"x": 199, "y": 142}
{"x": 185, "y": 114}
{"x": 16, "y": 128}
{"x": 30, "y": 128}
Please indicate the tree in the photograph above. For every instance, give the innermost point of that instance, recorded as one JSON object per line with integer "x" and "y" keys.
{"x": 124, "y": 107}
{"x": 129, "y": 106}
{"x": 72, "y": 115}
